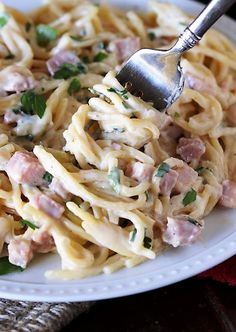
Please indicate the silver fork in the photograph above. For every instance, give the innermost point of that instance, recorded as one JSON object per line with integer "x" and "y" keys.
{"x": 156, "y": 75}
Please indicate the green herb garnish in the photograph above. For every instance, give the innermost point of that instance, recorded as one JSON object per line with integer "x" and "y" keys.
{"x": 74, "y": 86}
{"x": 200, "y": 169}
{"x": 85, "y": 59}
{"x": 176, "y": 115}
{"x": 33, "y": 104}
{"x": 10, "y": 56}
{"x": 77, "y": 38}
{"x": 29, "y": 224}
{"x": 189, "y": 197}
{"x": 48, "y": 177}
{"x": 82, "y": 68}
{"x": 6, "y": 267}
{"x": 122, "y": 93}
{"x": 102, "y": 45}
{"x": 94, "y": 92}
{"x": 111, "y": 90}
{"x": 17, "y": 110}
{"x": 125, "y": 105}
{"x": 68, "y": 70}
{"x": 133, "y": 235}
{"x": 147, "y": 242}
{"x": 151, "y": 36}
{"x": 162, "y": 170}
{"x": 118, "y": 130}
{"x": 194, "y": 222}
{"x": 114, "y": 179}
{"x": 100, "y": 57}
{"x": 4, "y": 17}
{"x": 28, "y": 26}
{"x": 45, "y": 34}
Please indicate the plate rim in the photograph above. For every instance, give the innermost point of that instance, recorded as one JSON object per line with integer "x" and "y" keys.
{"x": 113, "y": 288}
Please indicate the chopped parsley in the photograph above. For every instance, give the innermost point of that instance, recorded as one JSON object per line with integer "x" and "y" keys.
{"x": 32, "y": 104}
{"x": 48, "y": 177}
{"x": 100, "y": 57}
{"x": 94, "y": 92}
{"x": 151, "y": 36}
{"x": 77, "y": 38}
{"x": 125, "y": 105}
{"x": 118, "y": 130}
{"x": 133, "y": 116}
{"x": 111, "y": 90}
{"x": 122, "y": 93}
{"x": 4, "y": 17}
{"x": 194, "y": 222}
{"x": 102, "y": 45}
{"x": 10, "y": 56}
{"x": 147, "y": 242}
{"x": 7, "y": 267}
{"x": 189, "y": 197}
{"x": 162, "y": 170}
{"x": 17, "y": 110}
{"x": 176, "y": 115}
{"x": 114, "y": 179}
{"x": 29, "y": 224}
{"x": 28, "y": 26}
{"x": 74, "y": 86}
{"x": 85, "y": 59}
{"x": 200, "y": 169}
{"x": 68, "y": 70}
{"x": 133, "y": 235}
{"x": 45, "y": 34}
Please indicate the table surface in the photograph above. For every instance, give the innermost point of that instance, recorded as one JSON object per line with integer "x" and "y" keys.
{"x": 192, "y": 305}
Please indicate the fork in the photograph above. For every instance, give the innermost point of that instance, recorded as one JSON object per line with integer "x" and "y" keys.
{"x": 156, "y": 75}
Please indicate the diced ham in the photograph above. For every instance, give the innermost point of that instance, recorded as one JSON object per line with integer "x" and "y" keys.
{"x": 186, "y": 178}
{"x": 228, "y": 198}
{"x": 57, "y": 187}
{"x": 20, "y": 252}
{"x": 48, "y": 205}
{"x": 172, "y": 131}
{"x": 198, "y": 84}
{"x": 42, "y": 241}
{"x": 190, "y": 149}
{"x": 124, "y": 48}
{"x": 168, "y": 182}
{"x": 140, "y": 171}
{"x": 61, "y": 57}
{"x": 25, "y": 168}
{"x": 16, "y": 79}
{"x": 182, "y": 231}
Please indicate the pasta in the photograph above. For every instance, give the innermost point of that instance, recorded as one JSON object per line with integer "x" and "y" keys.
{"x": 89, "y": 171}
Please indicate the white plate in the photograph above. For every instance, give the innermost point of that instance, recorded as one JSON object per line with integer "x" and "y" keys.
{"x": 216, "y": 245}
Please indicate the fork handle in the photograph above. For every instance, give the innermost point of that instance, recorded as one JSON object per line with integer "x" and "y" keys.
{"x": 195, "y": 31}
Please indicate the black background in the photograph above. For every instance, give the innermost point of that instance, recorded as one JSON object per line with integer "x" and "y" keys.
{"x": 192, "y": 305}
